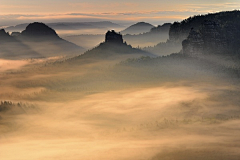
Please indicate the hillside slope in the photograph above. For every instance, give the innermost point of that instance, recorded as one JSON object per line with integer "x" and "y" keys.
{"x": 138, "y": 28}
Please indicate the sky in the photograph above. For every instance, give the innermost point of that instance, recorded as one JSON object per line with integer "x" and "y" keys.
{"x": 152, "y": 11}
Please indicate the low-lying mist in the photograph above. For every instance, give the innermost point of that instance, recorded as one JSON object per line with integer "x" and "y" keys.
{"x": 127, "y": 124}
{"x": 101, "y": 109}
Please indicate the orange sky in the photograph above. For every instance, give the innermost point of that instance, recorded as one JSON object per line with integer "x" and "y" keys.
{"x": 16, "y": 11}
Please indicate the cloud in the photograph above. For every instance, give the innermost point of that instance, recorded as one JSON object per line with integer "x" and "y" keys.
{"x": 121, "y": 15}
{"x": 210, "y": 7}
{"x": 103, "y": 5}
{"x": 16, "y": 6}
{"x": 150, "y": 15}
{"x": 108, "y": 10}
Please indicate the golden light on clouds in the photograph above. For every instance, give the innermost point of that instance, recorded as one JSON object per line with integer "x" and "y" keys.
{"x": 86, "y": 93}
{"x": 108, "y": 10}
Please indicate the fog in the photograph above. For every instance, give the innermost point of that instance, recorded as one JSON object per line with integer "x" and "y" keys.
{"x": 116, "y": 109}
{"x": 87, "y": 41}
{"x": 148, "y": 41}
{"x": 11, "y": 64}
{"x": 64, "y": 33}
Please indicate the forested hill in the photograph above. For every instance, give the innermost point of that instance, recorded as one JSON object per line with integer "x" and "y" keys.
{"x": 229, "y": 22}
{"x": 215, "y": 33}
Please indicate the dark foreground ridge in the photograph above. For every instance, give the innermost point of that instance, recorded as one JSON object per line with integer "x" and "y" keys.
{"x": 3, "y": 33}
{"x": 211, "y": 34}
{"x": 210, "y": 39}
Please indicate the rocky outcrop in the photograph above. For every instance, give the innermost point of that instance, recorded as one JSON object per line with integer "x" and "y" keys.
{"x": 114, "y": 47}
{"x": 113, "y": 37}
{"x": 194, "y": 44}
{"x": 228, "y": 20}
{"x": 207, "y": 40}
{"x": 215, "y": 33}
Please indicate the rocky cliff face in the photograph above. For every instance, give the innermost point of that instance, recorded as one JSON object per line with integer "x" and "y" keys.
{"x": 216, "y": 33}
{"x": 193, "y": 45}
{"x": 180, "y": 30}
{"x": 213, "y": 37}
{"x": 209, "y": 39}
{"x": 113, "y": 37}
{"x": 177, "y": 33}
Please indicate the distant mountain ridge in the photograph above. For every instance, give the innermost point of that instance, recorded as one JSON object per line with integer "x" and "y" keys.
{"x": 152, "y": 37}
{"x": 138, "y": 28}
{"x": 70, "y": 26}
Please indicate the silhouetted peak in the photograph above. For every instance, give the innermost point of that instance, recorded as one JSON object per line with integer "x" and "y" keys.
{"x": 142, "y": 24}
{"x": 167, "y": 24}
{"x": 5, "y": 37}
{"x": 113, "y": 37}
{"x": 37, "y": 29}
{"x": 3, "y": 33}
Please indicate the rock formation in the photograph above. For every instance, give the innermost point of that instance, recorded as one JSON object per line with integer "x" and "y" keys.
{"x": 113, "y": 37}
{"x": 114, "y": 47}
{"x": 215, "y": 33}
{"x": 208, "y": 40}
{"x": 214, "y": 41}
{"x": 193, "y": 45}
